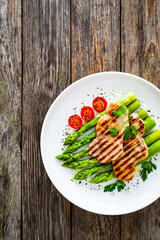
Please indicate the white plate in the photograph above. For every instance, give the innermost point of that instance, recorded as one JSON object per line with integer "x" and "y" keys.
{"x": 87, "y": 196}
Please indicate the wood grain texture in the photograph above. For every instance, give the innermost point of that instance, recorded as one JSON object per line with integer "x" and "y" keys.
{"x": 95, "y": 47}
{"x": 140, "y": 25}
{"x": 10, "y": 116}
{"x": 46, "y": 72}
{"x": 95, "y": 37}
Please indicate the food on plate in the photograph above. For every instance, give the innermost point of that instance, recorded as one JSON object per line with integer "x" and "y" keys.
{"x": 75, "y": 121}
{"x": 87, "y": 139}
{"x": 134, "y": 150}
{"x": 87, "y": 113}
{"x": 126, "y": 100}
{"x": 119, "y": 143}
{"x": 70, "y": 157}
{"x": 99, "y": 104}
{"x": 105, "y": 147}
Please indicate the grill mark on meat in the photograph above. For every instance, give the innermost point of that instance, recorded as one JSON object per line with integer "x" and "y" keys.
{"x": 128, "y": 174}
{"x": 130, "y": 166}
{"x": 103, "y": 150}
{"x": 127, "y": 153}
{"x": 112, "y": 149}
{"x": 117, "y": 169}
{"x": 114, "y": 120}
{"x": 120, "y": 137}
{"x": 105, "y": 130}
{"x": 140, "y": 157}
{"x": 141, "y": 129}
{"x": 125, "y": 167}
{"x": 125, "y": 162}
{"x": 104, "y": 123}
{"x": 103, "y": 143}
{"x": 130, "y": 143}
{"x": 91, "y": 147}
{"x": 119, "y": 152}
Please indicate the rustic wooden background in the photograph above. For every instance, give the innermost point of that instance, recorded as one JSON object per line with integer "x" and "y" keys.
{"x": 44, "y": 46}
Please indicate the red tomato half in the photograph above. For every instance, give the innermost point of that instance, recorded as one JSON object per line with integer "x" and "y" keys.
{"x": 87, "y": 113}
{"x": 99, "y": 104}
{"x": 75, "y": 121}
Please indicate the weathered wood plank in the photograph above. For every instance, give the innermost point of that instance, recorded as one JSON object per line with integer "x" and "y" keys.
{"x": 46, "y": 55}
{"x": 140, "y": 24}
{"x": 10, "y": 115}
{"x": 95, "y": 37}
{"x": 95, "y": 47}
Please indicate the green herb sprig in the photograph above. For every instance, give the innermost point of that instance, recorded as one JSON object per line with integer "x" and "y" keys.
{"x": 120, "y": 111}
{"x": 128, "y": 132}
{"x": 147, "y": 168}
{"x": 120, "y": 185}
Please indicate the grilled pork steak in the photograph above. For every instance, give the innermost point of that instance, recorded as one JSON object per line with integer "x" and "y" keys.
{"x": 135, "y": 150}
{"x": 105, "y": 147}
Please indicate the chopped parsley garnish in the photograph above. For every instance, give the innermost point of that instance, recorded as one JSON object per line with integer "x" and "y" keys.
{"x": 120, "y": 111}
{"x": 113, "y": 131}
{"x": 147, "y": 168}
{"x": 134, "y": 130}
{"x": 119, "y": 184}
{"x": 123, "y": 109}
{"x": 128, "y": 132}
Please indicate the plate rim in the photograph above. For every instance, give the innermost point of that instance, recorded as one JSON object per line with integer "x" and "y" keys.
{"x": 64, "y": 92}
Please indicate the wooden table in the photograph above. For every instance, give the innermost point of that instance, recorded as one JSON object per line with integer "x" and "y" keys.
{"x": 45, "y": 45}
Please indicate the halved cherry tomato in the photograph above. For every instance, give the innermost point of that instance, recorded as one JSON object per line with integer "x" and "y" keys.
{"x": 75, "y": 121}
{"x": 99, "y": 104}
{"x": 87, "y": 113}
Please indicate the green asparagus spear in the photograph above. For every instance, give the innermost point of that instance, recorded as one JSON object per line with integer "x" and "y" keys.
{"x": 126, "y": 100}
{"x": 143, "y": 114}
{"x": 152, "y": 137}
{"x": 149, "y": 124}
{"x": 81, "y": 164}
{"x": 76, "y": 145}
{"x": 134, "y": 106}
{"x": 154, "y": 149}
{"x": 103, "y": 177}
{"x": 87, "y": 139}
{"x": 90, "y": 171}
{"x": 69, "y": 157}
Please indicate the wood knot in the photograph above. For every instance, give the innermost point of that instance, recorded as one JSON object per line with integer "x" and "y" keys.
{"x": 151, "y": 49}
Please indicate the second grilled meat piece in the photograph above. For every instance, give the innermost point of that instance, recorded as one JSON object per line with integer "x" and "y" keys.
{"x": 135, "y": 150}
{"x": 105, "y": 147}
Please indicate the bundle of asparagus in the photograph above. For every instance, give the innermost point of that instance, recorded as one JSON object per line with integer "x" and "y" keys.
{"x": 92, "y": 166}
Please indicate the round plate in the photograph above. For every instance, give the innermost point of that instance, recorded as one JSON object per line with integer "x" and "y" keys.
{"x": 111, "y": 85}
